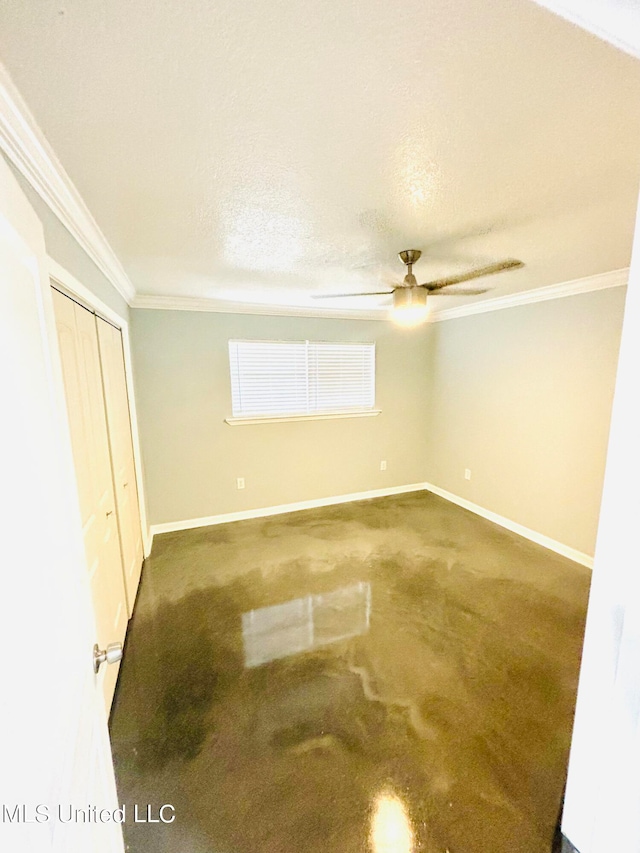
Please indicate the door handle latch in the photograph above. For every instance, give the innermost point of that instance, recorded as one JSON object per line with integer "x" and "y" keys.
{"x": 112, "y": 654}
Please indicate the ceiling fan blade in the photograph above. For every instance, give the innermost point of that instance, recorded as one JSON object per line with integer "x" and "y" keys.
{"x": 339, "y": 295}
{"x": 500, "y": 266}
{"x": 471, "y": 291}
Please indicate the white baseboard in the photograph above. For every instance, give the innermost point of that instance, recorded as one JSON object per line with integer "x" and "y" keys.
{"x": 262, "y": 512}
{"x": 514, "y": 527}
{"x": 171, "y": 526}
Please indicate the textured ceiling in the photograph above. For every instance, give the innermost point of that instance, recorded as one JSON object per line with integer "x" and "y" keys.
{"x": 267, "y": 150}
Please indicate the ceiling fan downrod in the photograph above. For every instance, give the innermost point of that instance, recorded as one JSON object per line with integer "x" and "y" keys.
{"x": 409, "y": 257}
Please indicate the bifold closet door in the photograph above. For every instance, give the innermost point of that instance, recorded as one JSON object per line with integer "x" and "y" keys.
{"x": 80, "y": 358}
{"x": 122, "y": 463}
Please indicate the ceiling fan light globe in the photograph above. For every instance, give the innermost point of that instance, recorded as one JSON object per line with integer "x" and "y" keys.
{"x": 409, "y": 306}
{"x": 410, "y": 316}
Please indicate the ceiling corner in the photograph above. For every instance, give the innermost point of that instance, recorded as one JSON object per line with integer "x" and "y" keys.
{"x": 27, "y": 148}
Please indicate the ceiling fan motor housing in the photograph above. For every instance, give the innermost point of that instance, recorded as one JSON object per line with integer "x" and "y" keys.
{"x": 414, "y": 297}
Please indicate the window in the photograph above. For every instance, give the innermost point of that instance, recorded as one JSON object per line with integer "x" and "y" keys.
{"x": 276, "y": 379}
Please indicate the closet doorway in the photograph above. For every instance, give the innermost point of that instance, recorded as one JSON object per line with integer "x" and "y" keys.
{"x": 97, "y": 404}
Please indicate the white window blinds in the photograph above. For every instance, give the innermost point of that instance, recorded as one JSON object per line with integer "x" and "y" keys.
{"x": 288, "y": 378}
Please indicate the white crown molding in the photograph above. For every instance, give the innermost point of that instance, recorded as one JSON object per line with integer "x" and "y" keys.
{"x": 219, "y": 306}
{"x": 602, "y": 281}
{"x": 27, "y": 148}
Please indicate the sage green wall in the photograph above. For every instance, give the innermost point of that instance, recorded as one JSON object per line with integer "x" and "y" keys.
{"x": 64, "y": 249}
{"x": 522, "y": 397}
{"x": 192, "y": 458}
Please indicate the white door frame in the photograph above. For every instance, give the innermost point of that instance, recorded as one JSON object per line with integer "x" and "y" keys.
{"x": 64, "y": 280}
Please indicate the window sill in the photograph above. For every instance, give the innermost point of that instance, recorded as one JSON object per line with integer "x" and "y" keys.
{"x": 324, "y": 416}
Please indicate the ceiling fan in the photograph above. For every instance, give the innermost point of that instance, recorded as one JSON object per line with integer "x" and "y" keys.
{"x": 410, "y": 298}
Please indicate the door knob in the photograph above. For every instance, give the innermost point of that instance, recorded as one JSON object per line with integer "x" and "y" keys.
{"x": 112, "y": 654}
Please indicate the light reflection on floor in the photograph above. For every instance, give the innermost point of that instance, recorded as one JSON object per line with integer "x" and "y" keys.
{"x": 391, "y": 830}
{"x": 306, "y": 623}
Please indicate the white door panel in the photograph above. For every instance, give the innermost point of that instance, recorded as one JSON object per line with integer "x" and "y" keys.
{"x": 47, "y": 629}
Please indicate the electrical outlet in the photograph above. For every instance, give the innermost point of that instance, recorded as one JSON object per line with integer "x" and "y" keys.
{"x": 467, "y": 473}
{"x": 383, "y": 465}
{"x": 240, "y": 482}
